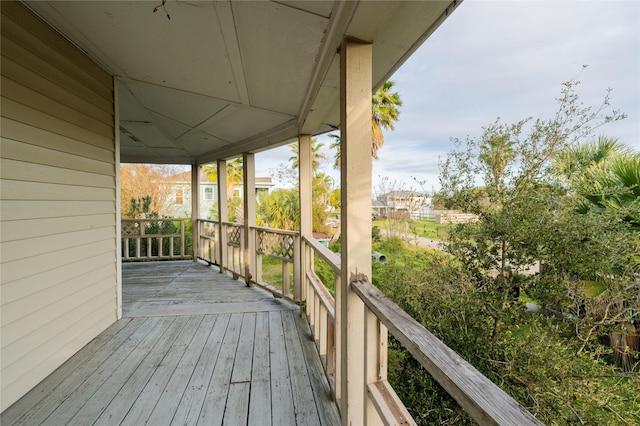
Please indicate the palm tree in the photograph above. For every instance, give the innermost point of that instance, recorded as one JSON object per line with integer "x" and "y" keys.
{"x": 316, "y": 155}
{"x": 234, "y": 175}
{"x": 572, "y": 162}
{"x": 496, "y": 154}
{"x": 385, "y": 110}
{"x": 614, "y": 187}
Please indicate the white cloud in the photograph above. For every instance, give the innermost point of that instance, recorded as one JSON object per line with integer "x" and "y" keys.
{"x": 508, "y": 59}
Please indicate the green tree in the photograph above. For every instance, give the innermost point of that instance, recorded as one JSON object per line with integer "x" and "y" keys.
{"x": 525, "y": 217}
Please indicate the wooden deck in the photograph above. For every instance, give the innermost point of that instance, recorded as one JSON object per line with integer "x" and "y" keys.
{"x": 194, "y": 347}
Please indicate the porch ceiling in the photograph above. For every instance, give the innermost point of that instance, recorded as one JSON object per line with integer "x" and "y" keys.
{"x": 225, "y": 77}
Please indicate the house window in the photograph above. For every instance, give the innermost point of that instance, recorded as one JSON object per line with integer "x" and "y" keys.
{"x": 208, "y": 193}
{"x": 179, "y": 197}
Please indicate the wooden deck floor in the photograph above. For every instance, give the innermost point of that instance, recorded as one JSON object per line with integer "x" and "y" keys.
{"x": 193, "y": 347}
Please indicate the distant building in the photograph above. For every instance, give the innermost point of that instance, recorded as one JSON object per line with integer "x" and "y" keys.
{"x": 179, "y": 200}
{"x": 415, "y": 204}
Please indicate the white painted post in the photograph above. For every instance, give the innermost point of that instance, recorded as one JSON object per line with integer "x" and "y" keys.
{"x": 305, "y": 187}
{"x": 223, "y": 214}
{"x": 249, "y": 199}
{"x": 195, "y": 210}
{"x": 355, "y": 184}
{"x": 116, "y": 125}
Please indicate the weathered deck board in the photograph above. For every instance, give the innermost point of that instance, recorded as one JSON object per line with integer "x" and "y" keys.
{"x": 207, "y": 350}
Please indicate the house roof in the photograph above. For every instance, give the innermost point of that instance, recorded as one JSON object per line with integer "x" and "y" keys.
{"x": 214, "y": 79}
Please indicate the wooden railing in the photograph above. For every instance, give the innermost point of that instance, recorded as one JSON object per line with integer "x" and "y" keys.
{"x": 209, "y": 237}
{"x": 477, "y": 395}
{"x": 320, "y": 308}
{"x": 484, "y": 401}
{"x": 154, "y": 239}
{"x": 284, "y": 246}
{"x": 234, "y": 258}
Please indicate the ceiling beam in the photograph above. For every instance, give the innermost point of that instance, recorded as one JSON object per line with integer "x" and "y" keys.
{"x": 226, "y": 21}
{"x": 337, "y": 28}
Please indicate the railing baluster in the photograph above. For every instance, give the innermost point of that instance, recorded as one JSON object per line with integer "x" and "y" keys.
{"x": 136, "y": 230}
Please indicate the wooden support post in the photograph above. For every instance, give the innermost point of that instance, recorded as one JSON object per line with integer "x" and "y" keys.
{"x": 249, "y": 200}
{"x": 305, "y": 169}
{"x": 355, "y": 187}
{"x": 223, "y": 214}
{"x": 195, "y": 210}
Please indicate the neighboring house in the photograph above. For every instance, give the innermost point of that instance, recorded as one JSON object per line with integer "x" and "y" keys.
{"x": 415, "y": 203}
{"x": 179, "y": 199}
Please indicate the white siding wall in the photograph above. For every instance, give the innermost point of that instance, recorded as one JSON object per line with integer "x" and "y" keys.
{"x": 58, "y": 201}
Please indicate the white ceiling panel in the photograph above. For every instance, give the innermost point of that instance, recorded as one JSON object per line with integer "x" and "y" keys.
{"x": 277, "y": 77}
{"x": 149, "y": 134}
{"x": 221, "y": 78}
{"x": 197, "y": 142}
{"x": 188, "y": 108}
{"x": 243, "y": 123}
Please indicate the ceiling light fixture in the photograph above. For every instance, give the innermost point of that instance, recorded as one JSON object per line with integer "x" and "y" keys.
{"x": 155, "y": 9}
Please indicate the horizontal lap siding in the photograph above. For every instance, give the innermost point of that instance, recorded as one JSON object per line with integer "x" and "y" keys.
{"x": 58, "y": 201}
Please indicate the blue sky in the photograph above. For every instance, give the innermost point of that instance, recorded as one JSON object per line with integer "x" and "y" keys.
{"x": 504, "y": 59}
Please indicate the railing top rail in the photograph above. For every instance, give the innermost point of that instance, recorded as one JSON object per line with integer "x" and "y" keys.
{"x": 165, "y": 219}
{"x": 332, "y": 259}
{"x": 275, "y": 231}
{"x": 323, "y": 294}
{"x": 479, "y": 396}
{"x": 208, "y": 221}
{"x": 232, "y": 224}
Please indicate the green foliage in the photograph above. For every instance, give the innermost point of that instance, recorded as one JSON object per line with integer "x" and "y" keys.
{"x": 536, "y": 358}
{"x": 557, "y": 363}
{"x": 279, "y": 209}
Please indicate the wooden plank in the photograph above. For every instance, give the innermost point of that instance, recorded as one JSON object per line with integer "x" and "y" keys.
{"x": 214, "y": 402}
{"x": 130, "y": 391}
{"x": 282, "y": 408}
{"x": 17, "y": 131}
{"x": 145, "y": 402}
{"x": 27, "y": 152}
{"x": 388, "y": 405}
{"x": 191, "y": 403}
{"x": 119, "y": 364}
{"x": 176, "y": 388}
{"x": 327, "y": 408}
{"x": 479, "y": 396}
{"x": 78, "y": 373}
{"x": 235, "y": 412}
{"x": 303, "y": 399}
{"x": 29, "y": 409}
{"x": 260, "y": 397}
{"x": 242, "y": 364}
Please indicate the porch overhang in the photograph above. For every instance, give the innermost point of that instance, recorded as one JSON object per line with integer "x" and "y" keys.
{"x": 202, "y": 81}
